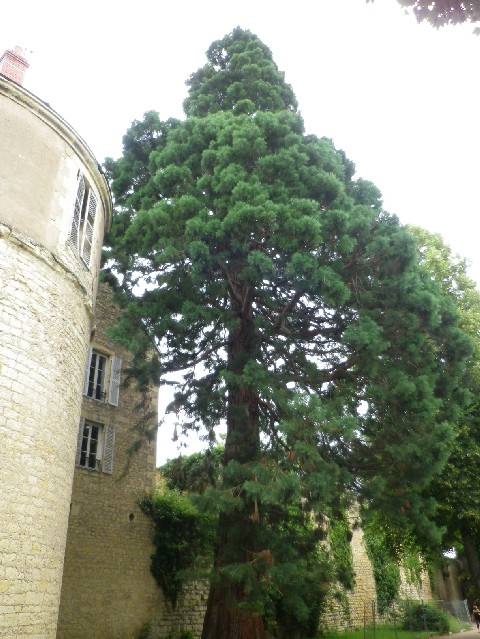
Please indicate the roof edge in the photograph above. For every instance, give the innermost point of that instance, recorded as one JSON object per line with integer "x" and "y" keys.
{"x": 51, "y": 118}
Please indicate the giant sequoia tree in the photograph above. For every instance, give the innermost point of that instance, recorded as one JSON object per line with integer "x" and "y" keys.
{"x": 293, "y": 308}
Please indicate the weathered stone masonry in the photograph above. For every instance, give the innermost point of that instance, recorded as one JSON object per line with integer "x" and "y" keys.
{"x": 108, "y": 591}
{"x": 46, "y": 318}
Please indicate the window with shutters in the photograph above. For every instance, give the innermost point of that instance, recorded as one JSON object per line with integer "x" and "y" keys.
{"x": 95, "y": 446}
{"x": 102, "y": 381}
{"x": 83, "y": 223}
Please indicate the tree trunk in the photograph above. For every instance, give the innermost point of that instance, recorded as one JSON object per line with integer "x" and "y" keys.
{"x": 225, "y": 617}
{"x": 225, "y": 620}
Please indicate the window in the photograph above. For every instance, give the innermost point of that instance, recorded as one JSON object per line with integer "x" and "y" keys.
{"x": 95, "y": 446}
{"x": 85, "y": 209}
{"x": 89, "y": 449}
{"x": 102, "y": 381}
{"x": 96, "y": 376}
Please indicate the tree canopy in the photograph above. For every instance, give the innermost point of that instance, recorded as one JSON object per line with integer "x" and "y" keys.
{"x": 443, "y": 12}
{"x": 294, "y": 309}
{"x": 455, "y": 488}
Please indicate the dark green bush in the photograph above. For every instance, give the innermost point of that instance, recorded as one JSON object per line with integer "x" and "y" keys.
{"x": 182, "y": 535}
{"x": 193, "y": 473}
{"x": 420, "y": 616}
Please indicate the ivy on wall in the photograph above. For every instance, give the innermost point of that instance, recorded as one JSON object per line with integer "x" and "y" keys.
{"x": 182, "y": 535}
{"x": 391, "y": 550}
{"x": 340, "y": 537}
{"x": 386, "y": 569}
{"x": 412, "y": 564}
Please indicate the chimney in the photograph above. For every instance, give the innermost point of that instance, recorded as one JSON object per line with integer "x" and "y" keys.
{"x": 13, "y": 65}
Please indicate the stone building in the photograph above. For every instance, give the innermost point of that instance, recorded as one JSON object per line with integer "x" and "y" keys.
{"x": 54, "y": 209}
{"x": 65, "y": 416}
{"x": 108, "y": 590}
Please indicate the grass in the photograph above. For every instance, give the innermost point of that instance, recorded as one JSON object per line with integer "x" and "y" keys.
{"x": 383, "y": 631}
{"x": 387, "y": 631}
{"x": 458, "y": 626}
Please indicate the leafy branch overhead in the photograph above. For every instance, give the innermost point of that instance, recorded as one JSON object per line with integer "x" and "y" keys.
{"x": 440, "y": 13}
{"x": 444, "y": 12}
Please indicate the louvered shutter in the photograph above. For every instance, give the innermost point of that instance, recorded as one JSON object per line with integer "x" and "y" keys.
{"x": 90, "y": 214}
{"x": 114, "y": 387}
{"x": 79, "y": 441}
{"x": 87, "y": 372}
{"x": 107, "y": 465}
{"x": 77, "y": 213}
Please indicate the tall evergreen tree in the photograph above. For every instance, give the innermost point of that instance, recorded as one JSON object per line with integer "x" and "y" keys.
{"x": 293, "y": 306}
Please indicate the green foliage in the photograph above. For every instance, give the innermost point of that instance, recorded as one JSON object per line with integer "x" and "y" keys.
{"x": 180, "y": 634}
{"x": 146, "y": 631}
{"x": 382, "y": 631}
{"x": 240, "y": 76}
{"x": 289, "y": 305}
{"x": 194, "y": 473}
{"x": 440, "y": 12}
{"x": 457, "y": 626}
{"x": 182, "y": 536}
{"x": 450, "y": 272}
{"x": 390, "y": 549}
{"x": 457, "y": 513}
{"x": 420, "y": 616}
{"x": 298, "y": 584}
{"x": 412, "y": 563}
{"x": 340, "y": 537}
{"x": 386, "y": 570}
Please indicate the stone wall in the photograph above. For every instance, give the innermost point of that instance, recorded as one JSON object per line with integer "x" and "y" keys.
{"x": 420, "y": 591}
{"x": 356, "y": 606}
{"x": 45, "y": 324}
{"x": 447, "y": 582}
{"x": 188, "y": 614}
{"x": 44, "y": 330}
{"x": 347, "y": 610}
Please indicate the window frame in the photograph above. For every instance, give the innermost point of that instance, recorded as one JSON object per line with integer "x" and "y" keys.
{"x": 82, "y": 230}
{"x": 110, "y": 384}
{"x": 104, "y": 452}
{"x": 86, "y": 451}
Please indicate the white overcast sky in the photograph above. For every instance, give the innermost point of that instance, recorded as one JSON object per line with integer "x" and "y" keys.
{"x": 401, "y": 99}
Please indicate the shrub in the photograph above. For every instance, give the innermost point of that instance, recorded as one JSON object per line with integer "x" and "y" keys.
{"x": 420, "y": 616}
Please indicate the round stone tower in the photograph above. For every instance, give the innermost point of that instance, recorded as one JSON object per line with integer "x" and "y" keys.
{"x": 54, "y": 208}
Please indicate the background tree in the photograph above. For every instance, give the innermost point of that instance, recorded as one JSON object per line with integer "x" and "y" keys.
{"x": 443, "y": 12}
{"x": 455, "y": 489}
{"x": 295, "y": 310}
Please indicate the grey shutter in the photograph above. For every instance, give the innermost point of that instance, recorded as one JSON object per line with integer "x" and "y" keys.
{"x": 77, "y": 213}
{"x": 107, "y": 465}
{"x": 114, "y": 386}
{"x": 90, "y": 214}
{"x": 79, "y": 441}
{"x": 87, "y": 372}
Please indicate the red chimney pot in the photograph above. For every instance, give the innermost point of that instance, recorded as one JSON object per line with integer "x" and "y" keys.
{"x": 13, "y": 65}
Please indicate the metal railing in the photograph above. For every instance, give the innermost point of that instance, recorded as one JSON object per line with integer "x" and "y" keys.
{"x": 457, "y": 608}
{"x": 415, "y": 615}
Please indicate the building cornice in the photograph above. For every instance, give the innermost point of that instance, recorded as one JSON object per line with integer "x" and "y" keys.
{"x": 44, "y": 112}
